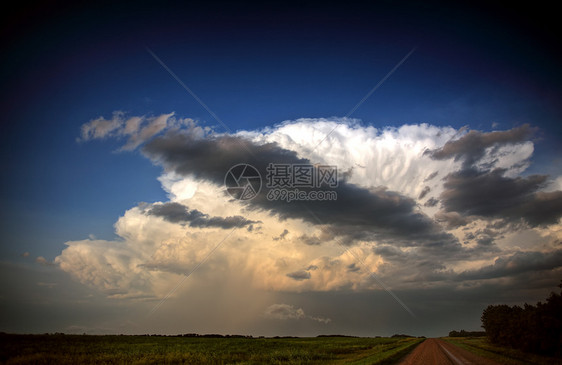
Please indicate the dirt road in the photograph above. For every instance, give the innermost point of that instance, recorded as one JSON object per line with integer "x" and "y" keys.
{"x": 438, "y": 352}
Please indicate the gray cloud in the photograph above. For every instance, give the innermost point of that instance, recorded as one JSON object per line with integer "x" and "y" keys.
{"x": 302, "y": 274}
{"x": 178, "y": 213}
{"x": 358, "y": 213}
{"x": 424, "y": 192}
{"x": 388, "y": 251}
{"x": 286, "y": 312}
{"x": 310, "y": 240}
{"x": 490, "y": 194}
{"x": 175, "y": 212}
{"x": 431, "y": 176}
{"x": 451, "y": 220}
{"x": 431, "y": 202}
{"x": 471, "y": 147}
{"x": 299, "y": 275}
{"x": 518, "y": 263}
{"x": 523, "y": 264}
{"x": 469, "y": 236}
{"x": 282, "y": 235}
{"x": 485, "y": 240}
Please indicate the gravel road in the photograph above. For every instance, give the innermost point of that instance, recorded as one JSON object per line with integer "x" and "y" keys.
{"x": 438, "y": 352}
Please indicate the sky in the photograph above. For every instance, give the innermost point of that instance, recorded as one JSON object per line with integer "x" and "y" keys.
{"x": 120, "y": 122}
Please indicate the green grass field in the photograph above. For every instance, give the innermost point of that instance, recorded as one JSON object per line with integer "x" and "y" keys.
{"x": 85, "y": 349}
{"x": 503, "y": 355}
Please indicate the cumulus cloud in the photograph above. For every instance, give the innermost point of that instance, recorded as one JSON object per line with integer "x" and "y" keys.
{"x": 420, "y": 205}
{"x": 111, "y": 267}
{"x": 359, "y": 213}
{"x": 288, "y": 312}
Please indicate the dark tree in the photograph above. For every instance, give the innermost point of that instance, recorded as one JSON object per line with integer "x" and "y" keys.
{"x": 535, "y": 329}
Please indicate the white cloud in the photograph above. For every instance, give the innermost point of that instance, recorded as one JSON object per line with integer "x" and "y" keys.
{"x": 390, "y": 157}
{"x": 43, "y": 261}
{"x": 178, "y": 188}
{"x": 139, "y": 135}
{"x": 137, "y": 129}
{"x": 100, "y": 127}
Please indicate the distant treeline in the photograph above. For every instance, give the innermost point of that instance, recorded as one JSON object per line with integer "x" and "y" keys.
{"x": 212, "y": 335}
{"x": 463, "y": 333}
{"x": 533, "y": 328}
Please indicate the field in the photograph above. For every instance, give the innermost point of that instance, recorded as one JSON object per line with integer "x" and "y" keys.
{"x": 86, "y": 349}
{"x": 502, "y": 355}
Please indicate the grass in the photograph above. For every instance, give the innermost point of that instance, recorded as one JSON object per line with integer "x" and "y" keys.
{"x": 502, "y": 355}
{"x": 85, "y": 349}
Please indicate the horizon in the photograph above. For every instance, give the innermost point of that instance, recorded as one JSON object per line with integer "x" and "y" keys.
{"x": 145, "y": 152}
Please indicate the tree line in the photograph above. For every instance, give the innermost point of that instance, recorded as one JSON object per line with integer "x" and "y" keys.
{"x": 531, "y": 328}
{"x": 463, "y": 333}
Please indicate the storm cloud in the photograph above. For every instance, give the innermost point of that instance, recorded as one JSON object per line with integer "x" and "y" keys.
{"x": 491, "y": 194}
{"x": 178, "y": 213}
{"x": 358, "y": 213}
{"x": 518, "y": 263}
{"x": 472, "y": 146}
{"x": 413, "y": 219}
{"x": 484, "y": 187}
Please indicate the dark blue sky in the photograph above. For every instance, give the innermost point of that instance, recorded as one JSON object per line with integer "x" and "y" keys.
{"x": 254, "y": 66}
{"x": 488, "y": 67}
